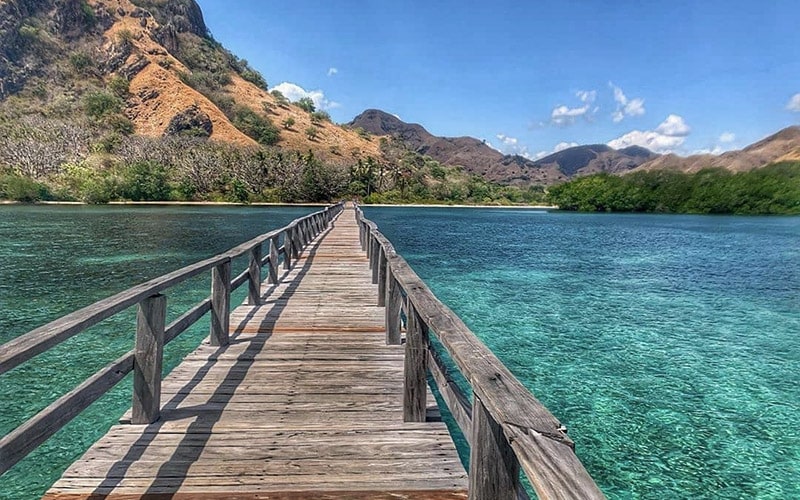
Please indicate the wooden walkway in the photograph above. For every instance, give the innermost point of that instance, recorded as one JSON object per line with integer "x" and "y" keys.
{"x": 305, "y": 402}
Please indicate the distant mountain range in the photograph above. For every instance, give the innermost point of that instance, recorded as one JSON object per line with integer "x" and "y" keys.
{"x": 476, "y": 157}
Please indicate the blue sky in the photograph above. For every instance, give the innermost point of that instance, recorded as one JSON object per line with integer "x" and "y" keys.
{"x": 532, "y": 77}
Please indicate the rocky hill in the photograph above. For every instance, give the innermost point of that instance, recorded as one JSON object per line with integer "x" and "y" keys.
{"x": 478, "y": 158}
{"x": 159, "y": 59}
{"x": 782, "y": 146}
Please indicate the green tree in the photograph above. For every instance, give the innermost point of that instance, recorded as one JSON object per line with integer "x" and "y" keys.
{"x": 306, "y": 104}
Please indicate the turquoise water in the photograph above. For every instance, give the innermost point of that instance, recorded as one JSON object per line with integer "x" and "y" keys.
{"x": 666, "y": 344}
{"x": 56, "y": 259}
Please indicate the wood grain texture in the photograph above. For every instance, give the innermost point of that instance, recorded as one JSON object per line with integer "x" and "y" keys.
{"x": 148, "y": 359}
{"x": 254, "y": 276}
{"x": 305, "y": 402}
{"x": 220, "y": 303}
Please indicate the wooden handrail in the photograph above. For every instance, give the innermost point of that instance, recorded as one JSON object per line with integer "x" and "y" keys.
{"x": 508, "y": 427}
{"x": 28, "y": 436}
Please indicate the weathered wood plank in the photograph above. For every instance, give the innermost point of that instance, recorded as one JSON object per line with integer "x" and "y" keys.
{"x": 306, "y": 400}
{"x": 220, "y": 303}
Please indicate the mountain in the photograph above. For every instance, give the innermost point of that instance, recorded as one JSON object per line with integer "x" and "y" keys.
{"x": 782, "y": 146}
{"x": 476, "y": 157}
{"x": 155, "y": 66}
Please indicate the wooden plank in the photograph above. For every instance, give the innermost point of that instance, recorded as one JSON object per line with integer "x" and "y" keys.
{"x": 306, "y": 400}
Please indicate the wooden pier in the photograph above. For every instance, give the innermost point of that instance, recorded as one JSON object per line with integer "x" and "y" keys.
{"x": 315, "y": 387}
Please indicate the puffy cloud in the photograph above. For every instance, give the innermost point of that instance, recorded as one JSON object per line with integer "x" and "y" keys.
{"x": 668, "y": 136}
{"x": 727, "y": 137}
{"x": 674, "y": 126}
{"x": 563, "y": 116}
{"x": 294, "y": 92}
{"x": 794, "y": 103}
{"x": 510, "y": 146}
{"x": 625, "y": 106}
{"x": 508, "y": 141}
{"x": 332, "y": 71}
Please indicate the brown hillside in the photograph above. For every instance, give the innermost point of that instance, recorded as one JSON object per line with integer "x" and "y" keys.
{"x": 783, "y": 146}
{"x": 159, "y": 94}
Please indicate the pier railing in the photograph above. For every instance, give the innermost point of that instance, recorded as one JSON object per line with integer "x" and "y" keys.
{"x": 506, "y": 426}
{"x": 145, "y": 360}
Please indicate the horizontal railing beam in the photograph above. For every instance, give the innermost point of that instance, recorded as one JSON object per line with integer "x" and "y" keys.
{"x": 551, "y": 464}
{"x": 25, "y": 438}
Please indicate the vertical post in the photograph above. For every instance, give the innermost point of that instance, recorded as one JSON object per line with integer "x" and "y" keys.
{"x": 148, "y": 358}
{"x": 415, "y": 368}
{"x": 393, "y": 299}
{"x": 220, "y": 303}
{"x": 296, "y": 246}
{"x": 369, "y": 247}
{"x": 493, "y": 467}
{"x": 382, "y": 264}
{"x": 273, "y": 259}
{"x": 254, "y": 275}
{"x": 287, "y": 249}
{"x": 376, "y": 257}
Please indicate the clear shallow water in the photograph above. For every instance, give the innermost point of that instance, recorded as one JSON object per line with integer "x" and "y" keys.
{"x": 668, "y": 345}
{"x": 56, "y": 259}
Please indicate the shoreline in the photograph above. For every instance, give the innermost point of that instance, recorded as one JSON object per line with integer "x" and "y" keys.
{"x": 270, "y": 204}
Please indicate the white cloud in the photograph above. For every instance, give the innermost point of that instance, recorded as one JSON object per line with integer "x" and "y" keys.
{"x": 625, "y": 106}
{"x": 587, "y": 96}
{"x": 563, "y": 116}
{"x": 332, "y": 71}
{"x": 510, "y": 146}
{"x": 794, "y": 103}
{"x": 718, "y": 150}
{"x": 727, "y": 137}
{"x": 668, "y": 136}
{"x": 294, "y": 92}
{"x": 674, "y": 126}
{"x": 508, "y": 141}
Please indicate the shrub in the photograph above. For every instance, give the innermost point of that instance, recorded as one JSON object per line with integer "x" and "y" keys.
{"x": 280, "y": 98}
{"x": 288, "y": 123}
{"x": 145, "y": 181}
{"x": 306, "y": 104}
{"x": 120, "y": 124}
{"x": 256, "y": 126}
{"x": 18, "y": 188}
{"x": 255, "y": 78}
{"x": 99, "y": 104}
{"x": 320, "y": 116}
{"x": 80, "y": 60}
{"x": 120, "y": 86}
{"x": 312, "y": 133}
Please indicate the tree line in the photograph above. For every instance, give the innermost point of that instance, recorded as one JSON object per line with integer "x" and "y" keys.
{"x": 774, "y": 189}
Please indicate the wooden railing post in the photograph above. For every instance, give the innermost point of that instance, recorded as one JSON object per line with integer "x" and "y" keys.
{"x": 148, "y": 359}
{"x": 376, "y": 259}
{"x": 415, "y": 387}
{"x": 392, "y": 301}
{"x": 273, "y": 259}
{"x": 220, "y": 303}
{"x": 382, "y": 264}
{"x": 296, "y": 245}
{"x": 254, "y": 273}
{"x": 493, "y": 467}
{"x": 287, "y": 249}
